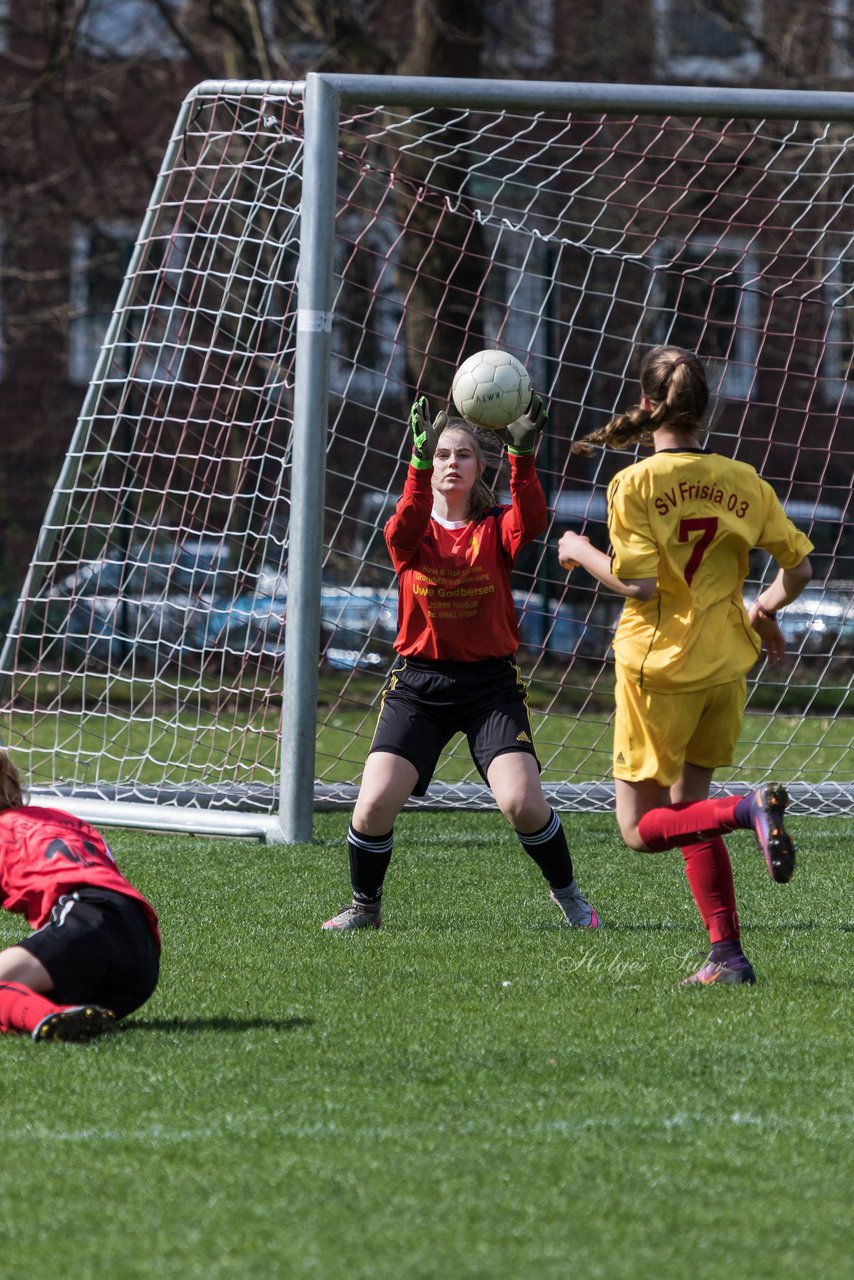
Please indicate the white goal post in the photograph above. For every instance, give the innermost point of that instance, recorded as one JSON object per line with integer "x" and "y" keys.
{"x": 202, "y": 636}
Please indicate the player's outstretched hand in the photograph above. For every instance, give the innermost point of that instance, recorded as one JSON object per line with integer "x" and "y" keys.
{"x": 522, "y": 435}
{"x": 571, "y": 549}
{"x": 425, "y": 435}
{"x": 768, "y": 630}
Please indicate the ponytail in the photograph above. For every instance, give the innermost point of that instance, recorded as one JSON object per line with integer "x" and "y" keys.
{"x": 674, "y": 382}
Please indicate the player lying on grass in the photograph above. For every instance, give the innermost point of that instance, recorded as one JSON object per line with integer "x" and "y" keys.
{"x": 453, "y": 548}
{"x": 95, "y": 952}
{"x": 681, "y": 525}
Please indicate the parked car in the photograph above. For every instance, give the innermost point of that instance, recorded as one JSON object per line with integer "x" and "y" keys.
{"x": 557, "y": 628}
{"x": 821, "y": 620}
{"x": 153, "y": 601}
{"x": 175, "y": 602}
{"x": 583, "y": 509}
{"x": 357, "y": 626}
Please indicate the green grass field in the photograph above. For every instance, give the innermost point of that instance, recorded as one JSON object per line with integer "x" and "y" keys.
{"x": 470, "y": 1092}
{"x": 111, "y": 747}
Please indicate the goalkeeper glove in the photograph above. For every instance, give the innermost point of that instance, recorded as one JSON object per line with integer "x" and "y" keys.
{"x": 522, "y": 435}
{"x": 425, "y": 436}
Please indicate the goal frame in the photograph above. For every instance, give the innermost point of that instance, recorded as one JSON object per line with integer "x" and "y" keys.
{"x": 324, "y": 95}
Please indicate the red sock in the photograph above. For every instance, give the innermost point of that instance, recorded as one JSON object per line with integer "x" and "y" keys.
{"x": 709, "y": 873}
{"x": 670, "y": 826}
{"x": 22, "y": 1009}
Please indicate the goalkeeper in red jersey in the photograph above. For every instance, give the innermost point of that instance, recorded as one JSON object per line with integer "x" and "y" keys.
{"x": 682, "y": 523}
{"x": 453, "y": 548}
{"x": 95, "y": 952}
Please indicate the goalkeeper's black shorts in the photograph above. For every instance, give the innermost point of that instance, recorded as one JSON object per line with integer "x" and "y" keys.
{"x": 426, "y": 703}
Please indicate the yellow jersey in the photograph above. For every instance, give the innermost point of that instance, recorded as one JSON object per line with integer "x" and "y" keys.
{"x": 689, "y": 518}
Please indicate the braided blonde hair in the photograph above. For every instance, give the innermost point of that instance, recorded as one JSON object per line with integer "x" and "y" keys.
{"x": 674, "y": 381}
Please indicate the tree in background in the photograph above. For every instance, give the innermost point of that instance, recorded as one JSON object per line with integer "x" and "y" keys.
{"x": 89, "y": 92}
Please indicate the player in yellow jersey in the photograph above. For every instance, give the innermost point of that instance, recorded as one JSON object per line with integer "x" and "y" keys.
{"x": 682, "y": 523}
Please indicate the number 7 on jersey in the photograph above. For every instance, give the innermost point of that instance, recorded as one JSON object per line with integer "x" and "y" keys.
{"x": 707, "y": 527}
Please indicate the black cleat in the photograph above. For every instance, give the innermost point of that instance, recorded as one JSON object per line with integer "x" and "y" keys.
{"x": 767, "y": 806}
{"x": 75, "y": 1022}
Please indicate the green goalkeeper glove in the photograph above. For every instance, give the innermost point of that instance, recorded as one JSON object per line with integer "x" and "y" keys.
{"x": 425, "y": 436}
{"x": 522, "y": 435}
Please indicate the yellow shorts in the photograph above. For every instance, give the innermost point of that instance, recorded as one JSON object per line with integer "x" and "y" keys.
{"x": 656, "y": 734}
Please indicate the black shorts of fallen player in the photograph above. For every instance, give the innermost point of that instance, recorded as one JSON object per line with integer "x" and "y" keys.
{"x": 99, "y": 949}
{"x": 426, "y": 703}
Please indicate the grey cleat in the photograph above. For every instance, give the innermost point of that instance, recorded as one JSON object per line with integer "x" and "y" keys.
{"x": 577, "y": 911}
{"x": 359, "y": 915}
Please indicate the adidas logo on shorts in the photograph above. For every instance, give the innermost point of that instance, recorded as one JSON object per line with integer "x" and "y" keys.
{"x": 522, "y": 737}
{"x": 620, "y": 759}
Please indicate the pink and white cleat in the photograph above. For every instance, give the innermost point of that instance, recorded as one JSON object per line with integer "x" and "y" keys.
{"x": 577, "y": 911}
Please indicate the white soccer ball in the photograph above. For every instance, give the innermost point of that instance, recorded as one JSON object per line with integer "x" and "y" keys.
{"x": 491, "y": 389}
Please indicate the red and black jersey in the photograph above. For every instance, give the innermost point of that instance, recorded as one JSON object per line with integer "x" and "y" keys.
{"x": 45, "y": 853}
{"x": 454, "y": 599}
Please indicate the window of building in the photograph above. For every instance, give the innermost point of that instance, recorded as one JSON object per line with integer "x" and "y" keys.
{"x": 99, "y": 256}
{"x": 707, "y": 39}
{"x": 128, "y": 29}
{"x": 841, "y": 60}
{"x": 366, "y": 348}
{"x": 838, "y": 354}
{"x": 700, "y": 302}
{"x": 150, "y": 347}
{"x": 517, "y": 35}
{"x": 2, "y": 302}
{"x": 288, "y": 31}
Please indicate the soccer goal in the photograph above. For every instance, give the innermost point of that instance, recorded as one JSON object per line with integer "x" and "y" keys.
{"x": 204, "y": 630}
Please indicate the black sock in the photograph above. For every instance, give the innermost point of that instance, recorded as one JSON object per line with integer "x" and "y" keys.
{"x": 369, "y": 859}
{"x": 550, "y": 851}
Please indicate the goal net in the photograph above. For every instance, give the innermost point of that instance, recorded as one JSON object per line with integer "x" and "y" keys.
{"x": 145, "y": 671}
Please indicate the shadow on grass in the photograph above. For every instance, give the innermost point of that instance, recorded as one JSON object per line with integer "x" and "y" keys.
{"x": 633, "y": 926}
{"x": 790, "y": 926}
{"x": 191, "y": 1025}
